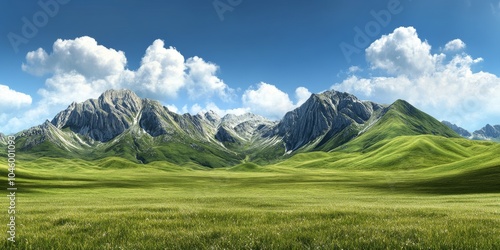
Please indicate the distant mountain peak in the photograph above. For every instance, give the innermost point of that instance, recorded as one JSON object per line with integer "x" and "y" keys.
{"x": 488, "y": 132}
{"x": 212, "y": 116}
{"x": 461, "y": 131}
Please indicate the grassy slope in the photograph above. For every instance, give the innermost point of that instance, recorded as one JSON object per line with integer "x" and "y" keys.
{"x": 400, "y": 119}
{"x": 387, "y": 189}
{"x": 145, "y": 149}
{"x": 413, "y": 192}
{"x": 435, "y": 164}
{"x": 113, "y": 203}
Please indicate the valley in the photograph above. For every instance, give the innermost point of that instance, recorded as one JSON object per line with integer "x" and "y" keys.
{"x": 313, "y": 200}
{"x": 336, "y": 173}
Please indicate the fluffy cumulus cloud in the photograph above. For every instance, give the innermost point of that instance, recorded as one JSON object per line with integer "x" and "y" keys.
{"x": 447, "y": 88}
{"x": 81, "y": 68}
{"x": 210, "y": 106}
{"x": 402, "y": 53}
{"x": 162, "y": 71}
{"x": 200, "y": 71}
{"x": 78, "y": 69}
{"x": 269, "y": 101}
{"x": 454, "y": 45}
{"x": 11, "y": 100}
{"x": 302, "y": 94}
{"x": 81, "y": 56}
{"x": 266, "y": 100}
{"x": 11, "y": 104}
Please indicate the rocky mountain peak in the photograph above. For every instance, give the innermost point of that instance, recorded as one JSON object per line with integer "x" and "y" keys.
{"x": 212, "y": 117}
{"x": 327, "y": 113}
{"x": 244, "y": 127}
{"x": 101, "y": 119}
{"x": 489, "y": 132}
{"x": 324, "y": 122}
{"x": 122, "y": 100}
{"x": 232, "y": 120}
{"x": 459, "y": 130}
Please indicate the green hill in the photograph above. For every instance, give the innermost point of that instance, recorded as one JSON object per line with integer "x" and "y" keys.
{"x": 400, "y": 118}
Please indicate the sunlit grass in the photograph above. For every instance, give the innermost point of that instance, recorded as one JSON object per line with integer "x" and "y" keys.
{"x": 284, "y": 208}
{"x": 396, "y": 196}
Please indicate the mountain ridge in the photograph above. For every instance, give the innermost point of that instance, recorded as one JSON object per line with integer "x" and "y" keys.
{"x": 327, "y": 113}
{"x": 399, "y": 118}
{"x": 119, "y": 123}
{"x": 488, "y": 132}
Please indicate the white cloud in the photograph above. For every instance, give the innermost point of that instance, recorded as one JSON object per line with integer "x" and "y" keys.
{"x": 448, "y": 90}
{"x": 302, "y": 94}
{"x": 269, "y": 101}
{"x": 222, "y": 112}
{"x": 354, "y": 69}
{"x": 84, "y": 67}
{"x": 11, "y": 104}
{"x": 196, "y": 108}
{"x": 202, "y": 79}
{"x": 82, "y": 56}
{"x": 63, "y": 89}
{"x": 210, "y": 106}
{"x": 14, "y": 123}
{"x": 172, "y": 108}
{"x": 184, "y": 109}
{"x": 454, "y": 45}
{"x": 162, "y": 71}
{"x": 80, "y": 69}
{"x": 402, "y": 53}
{"x": 11, "y": 100}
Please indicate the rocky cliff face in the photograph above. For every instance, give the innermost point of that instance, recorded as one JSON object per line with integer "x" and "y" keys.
{"x": 121, "y": 123}
{"x": 66, "y": 140}
{"x": 156, "y": 119}
{"x": 245, "y": 128}
{"x": 489, "y": 132}
{"x": 212, "y": 117}
{"x": 326, "y": 113}
{"x": 101, "y": 119}
{"x": 115, "y": 111}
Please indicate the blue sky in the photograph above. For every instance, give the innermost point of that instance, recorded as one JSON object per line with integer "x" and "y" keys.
{"x": 256, "y": 56}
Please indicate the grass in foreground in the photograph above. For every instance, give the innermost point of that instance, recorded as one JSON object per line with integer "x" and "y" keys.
{"x": 66, "y": 204}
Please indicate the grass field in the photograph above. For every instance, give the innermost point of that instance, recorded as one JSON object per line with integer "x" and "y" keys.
{"x": 393, "y": 197}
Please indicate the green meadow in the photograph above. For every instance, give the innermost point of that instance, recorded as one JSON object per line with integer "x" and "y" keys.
{"x": 412, "y": 192}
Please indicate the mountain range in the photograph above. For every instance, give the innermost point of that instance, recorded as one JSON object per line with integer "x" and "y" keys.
{"x": 488, "y": 132}
{"x": 121, "y": 124}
